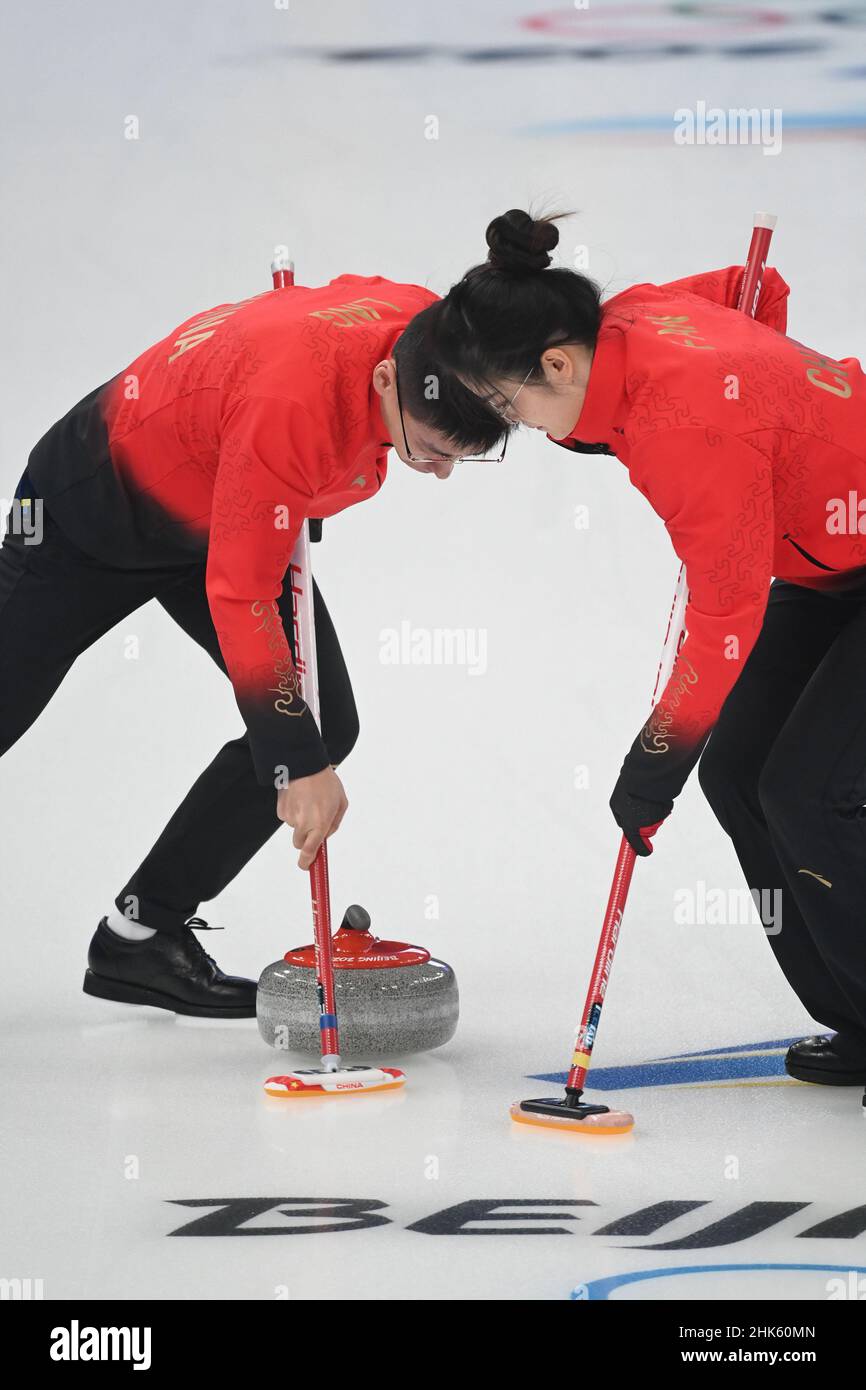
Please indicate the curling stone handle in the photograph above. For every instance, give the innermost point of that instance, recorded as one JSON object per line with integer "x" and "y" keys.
{"x": 356, "y": 918}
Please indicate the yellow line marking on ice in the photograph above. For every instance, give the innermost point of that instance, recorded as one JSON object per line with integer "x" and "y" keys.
{"x": 719, "y": 1085}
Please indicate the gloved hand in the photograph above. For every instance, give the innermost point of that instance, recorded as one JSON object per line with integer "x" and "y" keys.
{"x": 637, "y": 818}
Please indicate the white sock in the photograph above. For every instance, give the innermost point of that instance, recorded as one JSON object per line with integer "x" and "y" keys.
{"x": 125, "y": 927}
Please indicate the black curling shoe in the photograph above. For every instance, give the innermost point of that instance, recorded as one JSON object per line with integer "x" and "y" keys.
{"x": 817, "y": 1060}
{"x": 167, "y": 971}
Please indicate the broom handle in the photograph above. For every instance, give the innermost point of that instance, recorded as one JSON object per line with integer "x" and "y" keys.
{"x": 747, "y": 302}
{"x": 305, "y": 664}
{"x": 301, "y": 576}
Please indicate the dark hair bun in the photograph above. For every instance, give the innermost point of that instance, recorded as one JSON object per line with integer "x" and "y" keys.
{"x": 519, "y": 244}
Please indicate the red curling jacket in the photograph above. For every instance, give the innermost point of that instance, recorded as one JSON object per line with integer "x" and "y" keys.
{"x": 213, "y": 447}
{"x": 751, "y": 447}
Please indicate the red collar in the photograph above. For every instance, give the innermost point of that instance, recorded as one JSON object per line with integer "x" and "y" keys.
{"x": 605, "y": 404}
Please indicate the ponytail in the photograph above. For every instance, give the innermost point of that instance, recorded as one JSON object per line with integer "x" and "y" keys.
{"x": 496, "y": 322}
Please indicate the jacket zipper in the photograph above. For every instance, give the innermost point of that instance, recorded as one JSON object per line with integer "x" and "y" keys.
{"x": 807, "y": 556}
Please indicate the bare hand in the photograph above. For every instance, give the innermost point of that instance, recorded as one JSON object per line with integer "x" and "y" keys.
{"x": 314, "y": 807}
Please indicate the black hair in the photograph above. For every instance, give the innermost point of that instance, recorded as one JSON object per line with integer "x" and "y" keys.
{"x": 496, "y": 322}
{"x": 435, "y": 397}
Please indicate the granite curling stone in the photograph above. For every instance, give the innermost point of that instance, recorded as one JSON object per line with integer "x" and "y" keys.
{"x": 391, "y": 997}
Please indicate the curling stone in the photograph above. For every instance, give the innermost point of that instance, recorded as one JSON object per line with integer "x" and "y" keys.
{"x": 391, "y": 997}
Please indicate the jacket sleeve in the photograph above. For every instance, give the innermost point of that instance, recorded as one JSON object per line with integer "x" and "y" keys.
{"x": 714, "y": 494}
{"x": 256, "y": 518}
{"x": 723, "y": 287}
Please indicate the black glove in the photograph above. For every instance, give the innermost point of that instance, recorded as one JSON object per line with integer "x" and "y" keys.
{"x": 637, "y": 818}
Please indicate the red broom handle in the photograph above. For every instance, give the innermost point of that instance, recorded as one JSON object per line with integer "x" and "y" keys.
{"x": 282, "y": 270}
{"x": 283, "y": 274}
{"x": 324, "y": 955}
{"x": 756, "y": 262}
{"x": 305, "y": 662}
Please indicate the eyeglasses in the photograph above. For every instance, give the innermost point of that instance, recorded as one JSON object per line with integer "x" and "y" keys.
{"x": 414, "y": 458}
{"x": 506, "y": 409}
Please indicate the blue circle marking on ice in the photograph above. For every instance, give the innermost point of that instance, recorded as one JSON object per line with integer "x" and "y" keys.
{"x": 600, "y": 1289}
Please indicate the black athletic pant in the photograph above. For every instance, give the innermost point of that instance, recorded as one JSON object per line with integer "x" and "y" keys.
{"x": 785, "y": 773}
{"x": 55, "y": 602}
